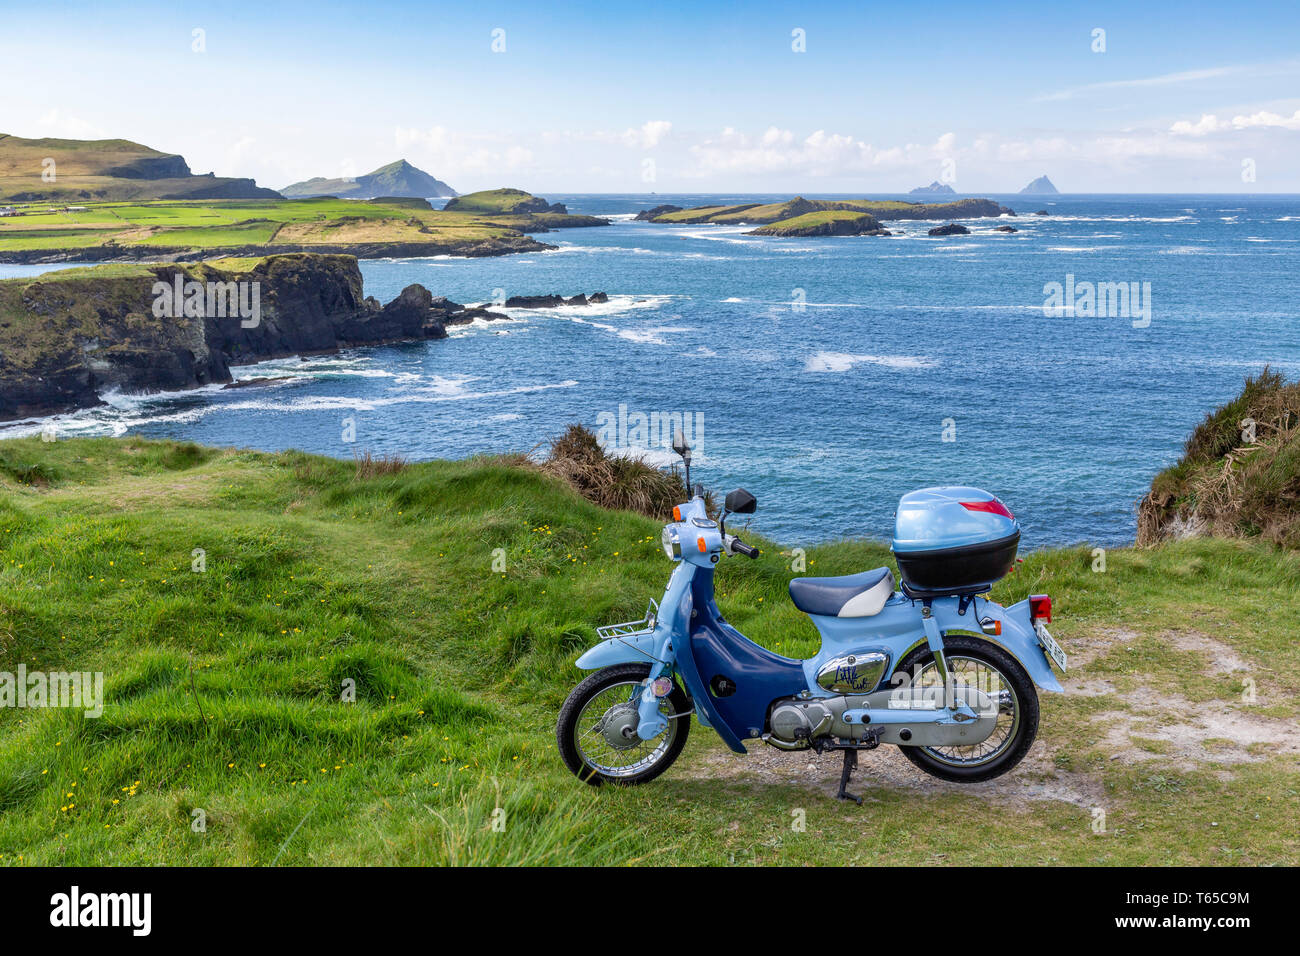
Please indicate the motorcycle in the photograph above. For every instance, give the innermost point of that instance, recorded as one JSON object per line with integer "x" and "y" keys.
{"x": 934, "y": 668}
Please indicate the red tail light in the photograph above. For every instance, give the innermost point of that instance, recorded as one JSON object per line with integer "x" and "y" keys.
{"x": 993, "y": 507}
{"x": 1040, "y": 605}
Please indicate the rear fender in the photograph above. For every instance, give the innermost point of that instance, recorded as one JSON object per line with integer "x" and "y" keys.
{"x": 1017, "y": 638}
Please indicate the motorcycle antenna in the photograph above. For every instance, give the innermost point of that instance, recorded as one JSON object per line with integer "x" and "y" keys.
{"x": 683, "y": 449}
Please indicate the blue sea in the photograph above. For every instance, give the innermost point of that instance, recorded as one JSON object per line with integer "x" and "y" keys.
{"x": 828, "y": 376}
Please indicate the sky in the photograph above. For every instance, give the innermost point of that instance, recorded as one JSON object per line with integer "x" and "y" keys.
{"x": 671, "y": 97}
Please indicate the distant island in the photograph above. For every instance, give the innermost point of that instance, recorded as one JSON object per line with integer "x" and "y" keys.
{"x": 495, "y": 202}
{"x": 823, "y": 217}
{"x": 35, "y": 170}
{"x": 935, "y": 188}
{"x": 396, "y": 180}
{"x": 1042, "y": 186}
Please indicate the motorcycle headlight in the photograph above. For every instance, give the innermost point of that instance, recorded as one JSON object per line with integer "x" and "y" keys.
{"x": 671, "y": 545}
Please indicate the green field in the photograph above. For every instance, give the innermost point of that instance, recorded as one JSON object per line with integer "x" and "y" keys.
{"x": 223, "y": 685}
{"x": 269, "y": 225}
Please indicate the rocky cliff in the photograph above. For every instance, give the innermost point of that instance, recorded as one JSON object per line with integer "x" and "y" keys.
{"x": 67, "y": 337}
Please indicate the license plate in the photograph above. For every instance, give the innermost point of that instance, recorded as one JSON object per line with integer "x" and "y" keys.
{"x": 1049, "y": 644}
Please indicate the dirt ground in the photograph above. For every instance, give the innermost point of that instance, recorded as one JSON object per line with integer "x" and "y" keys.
{"x": 1175, "y": 731}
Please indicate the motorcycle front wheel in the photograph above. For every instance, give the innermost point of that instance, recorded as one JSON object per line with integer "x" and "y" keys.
{"x": 597, "y": 728}
{"x": 986, "y": 667}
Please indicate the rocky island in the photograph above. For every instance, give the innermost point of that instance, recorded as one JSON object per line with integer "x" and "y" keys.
{"x": 1042, "y": 186}
{"x": 823, "y": 217}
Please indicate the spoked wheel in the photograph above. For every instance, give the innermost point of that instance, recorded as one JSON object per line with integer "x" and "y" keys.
{"x": 985, "y": 667}
{"x": 597, "y": 728}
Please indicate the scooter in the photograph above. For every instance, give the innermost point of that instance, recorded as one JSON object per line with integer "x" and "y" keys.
{"x": 934, "y": 668}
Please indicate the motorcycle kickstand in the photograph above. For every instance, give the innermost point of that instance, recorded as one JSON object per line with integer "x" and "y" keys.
{"x": 850, "y": 764}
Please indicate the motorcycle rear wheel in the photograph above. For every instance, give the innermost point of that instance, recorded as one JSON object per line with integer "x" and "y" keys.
{"x": 600, "y": 703}
{"x": 988, "y": 667}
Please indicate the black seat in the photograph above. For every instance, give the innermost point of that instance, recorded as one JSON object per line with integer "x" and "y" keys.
{"x": 834, "y": 597}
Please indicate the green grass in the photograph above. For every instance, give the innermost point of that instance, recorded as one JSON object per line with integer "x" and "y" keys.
{"x": 266, "y": 224}
{"x": 223, "y": 686}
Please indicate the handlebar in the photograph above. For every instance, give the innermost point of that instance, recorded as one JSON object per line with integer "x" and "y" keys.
{"x": 739, "y": 547}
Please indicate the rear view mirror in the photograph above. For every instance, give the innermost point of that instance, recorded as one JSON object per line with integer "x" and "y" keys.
{"x": 679, "y": 443}
{"x": 740, "y": 502}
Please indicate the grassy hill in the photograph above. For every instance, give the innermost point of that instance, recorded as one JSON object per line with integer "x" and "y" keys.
{"x": 501, "y": 202}
{"x": 223, "y": 684}
{"x": 399, "y": 179}
{"x": 108, "y": 169}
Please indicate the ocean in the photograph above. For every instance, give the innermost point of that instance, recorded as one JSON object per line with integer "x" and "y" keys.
{"x": 827, "y": 376}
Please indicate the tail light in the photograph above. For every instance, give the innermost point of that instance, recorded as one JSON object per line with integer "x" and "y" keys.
{"x": 1040, "y": 606}
{"x": 992, "y": 507}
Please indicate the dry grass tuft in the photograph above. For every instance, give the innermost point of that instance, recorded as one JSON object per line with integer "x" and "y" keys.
{"x": 1240, "y": 472}
{"x": 373, "y": 466}
{"x": 613, "y": 481}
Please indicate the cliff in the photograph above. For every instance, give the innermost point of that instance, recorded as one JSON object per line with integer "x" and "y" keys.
{"x": 67, "y": 337}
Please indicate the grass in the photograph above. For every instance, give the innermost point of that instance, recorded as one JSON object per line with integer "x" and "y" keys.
{"x": 231, "y": 598}
{"x": 261, "y": 225}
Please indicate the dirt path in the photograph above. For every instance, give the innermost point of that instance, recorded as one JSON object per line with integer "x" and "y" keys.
{"x": 1146, "y": 725}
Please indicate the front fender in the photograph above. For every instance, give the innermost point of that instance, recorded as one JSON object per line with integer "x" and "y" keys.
{"x": 1017, "y": 638}
{"x": 636, "y": 649}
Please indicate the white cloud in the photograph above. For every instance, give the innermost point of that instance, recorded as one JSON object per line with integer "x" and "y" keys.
{"x": 63, "y": 125}
{"x": 1209, "y": 123}
{"x": 820, "y": 153}
{"x": 445, "y": 152}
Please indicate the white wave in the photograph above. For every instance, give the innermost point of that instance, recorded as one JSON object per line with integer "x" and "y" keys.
{"x": 844, "y": 361}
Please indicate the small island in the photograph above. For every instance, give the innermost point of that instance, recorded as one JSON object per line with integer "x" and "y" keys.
{"x": 935, "y": 188}
{"x": 1042, "y": 186}
{"x": 831, "y": 222}
{"x": 823, "y": 217}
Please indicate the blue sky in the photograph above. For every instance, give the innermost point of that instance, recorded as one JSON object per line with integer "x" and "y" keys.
{"x": 678, "y": 96}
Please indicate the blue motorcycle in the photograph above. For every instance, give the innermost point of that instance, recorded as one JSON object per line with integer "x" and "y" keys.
{"x": 934, "y": 668}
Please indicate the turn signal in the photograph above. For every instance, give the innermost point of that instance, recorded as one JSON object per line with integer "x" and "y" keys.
{"x": 677, "y": 512}
{"x": 1040, "y": 605}
{"x": 703, "y": 547}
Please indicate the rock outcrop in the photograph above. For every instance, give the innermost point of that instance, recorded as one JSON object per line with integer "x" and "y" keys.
{"x": 935, "y": 188}
{"x": 68, "y": 337}
{"x": 951, "y": 229}
{"x": 552, "y": 301}
{"x": 648, "y": 215}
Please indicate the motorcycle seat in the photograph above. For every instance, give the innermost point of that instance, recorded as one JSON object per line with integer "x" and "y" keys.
{"x": 853, "y": 595}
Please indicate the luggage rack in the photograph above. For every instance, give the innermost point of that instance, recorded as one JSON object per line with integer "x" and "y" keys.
{"x": 632, "y": 628}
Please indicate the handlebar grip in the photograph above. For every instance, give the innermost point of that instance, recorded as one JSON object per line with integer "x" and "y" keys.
{"x": 739, "y": 547}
